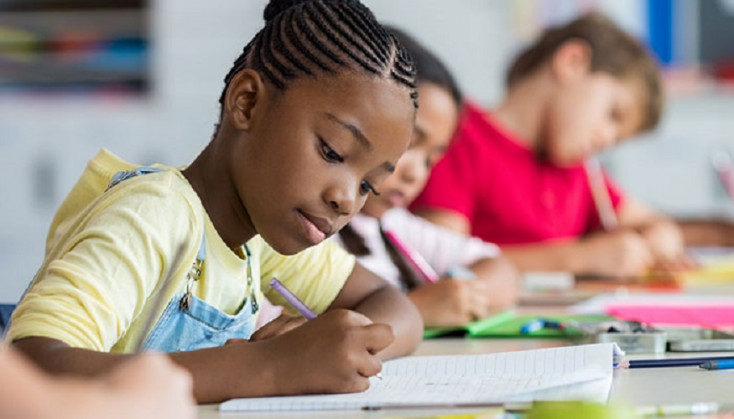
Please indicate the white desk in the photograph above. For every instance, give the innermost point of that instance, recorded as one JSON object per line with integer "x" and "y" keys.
{"x": 637, "y": 387}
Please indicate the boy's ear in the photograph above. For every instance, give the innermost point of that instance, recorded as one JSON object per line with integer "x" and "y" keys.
{"x": 571, "y": 60}
{"x": 245, "y": 91}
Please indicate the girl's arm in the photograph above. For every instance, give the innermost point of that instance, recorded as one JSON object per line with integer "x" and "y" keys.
{"x": 368, "y": 294}
{"x": 334, "y": 353}
{"x": 501, "y": 277}
{"x": 452, "y": 302}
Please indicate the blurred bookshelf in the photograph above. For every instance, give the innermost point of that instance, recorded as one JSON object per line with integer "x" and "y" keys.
{"x": 74, "y": 46}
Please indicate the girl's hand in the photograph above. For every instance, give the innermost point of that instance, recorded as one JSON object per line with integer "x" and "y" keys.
{"x": 333, "y": 353}
{"x": 621, "y": 254}
{"x": 282, "y": 324}
{"x": 452, "y": 302}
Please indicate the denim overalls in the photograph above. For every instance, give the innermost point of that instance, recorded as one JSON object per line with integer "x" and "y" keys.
{"x": 189, "y": 323}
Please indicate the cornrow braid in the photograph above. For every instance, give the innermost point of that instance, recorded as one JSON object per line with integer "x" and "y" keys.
{"x": 311, "y": 37}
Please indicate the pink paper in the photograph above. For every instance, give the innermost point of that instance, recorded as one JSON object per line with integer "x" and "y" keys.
{"x": 710, "y": 316}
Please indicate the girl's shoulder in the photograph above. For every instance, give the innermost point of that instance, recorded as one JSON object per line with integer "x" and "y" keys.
{"x": 165, "y": 188}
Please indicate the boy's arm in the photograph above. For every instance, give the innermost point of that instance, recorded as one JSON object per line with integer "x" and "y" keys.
{"x": 622, "y": 253}
{"x": 368, "y": 294}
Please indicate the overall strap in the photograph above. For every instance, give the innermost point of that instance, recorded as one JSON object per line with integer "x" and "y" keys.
{"x": 195, "y": 271}
{"x": 128, "y": 174}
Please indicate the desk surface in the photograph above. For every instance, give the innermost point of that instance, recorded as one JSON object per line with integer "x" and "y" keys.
{"x": 638, "y": 387}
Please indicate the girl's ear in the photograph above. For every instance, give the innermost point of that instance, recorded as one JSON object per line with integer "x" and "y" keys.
{"x": 572, "y": 60}
{"x": 245, "y": 91}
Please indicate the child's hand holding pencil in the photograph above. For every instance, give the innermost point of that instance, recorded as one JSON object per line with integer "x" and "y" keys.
{"x": 336, "y": 352}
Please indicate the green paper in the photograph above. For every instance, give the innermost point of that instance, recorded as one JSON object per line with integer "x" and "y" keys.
{"x": 507, "y": 324}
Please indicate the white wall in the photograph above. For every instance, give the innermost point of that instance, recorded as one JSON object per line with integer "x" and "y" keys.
{"x": 195, "y": 44}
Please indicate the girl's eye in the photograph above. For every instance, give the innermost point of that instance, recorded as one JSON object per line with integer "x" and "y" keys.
{"x": 365, "y": 188}
{"x": 329, "y": 154}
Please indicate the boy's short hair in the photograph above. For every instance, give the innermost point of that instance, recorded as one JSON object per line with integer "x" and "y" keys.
{"x": 613, "y": 51}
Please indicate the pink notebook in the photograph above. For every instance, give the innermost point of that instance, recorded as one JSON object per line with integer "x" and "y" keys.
{"x": 709, "y": 315}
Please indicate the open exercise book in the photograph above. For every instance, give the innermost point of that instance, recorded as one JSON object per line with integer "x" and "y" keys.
{"x": 568, "y": 373}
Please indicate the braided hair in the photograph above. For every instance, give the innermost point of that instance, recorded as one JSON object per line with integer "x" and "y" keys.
{"x": 313, "y": 37}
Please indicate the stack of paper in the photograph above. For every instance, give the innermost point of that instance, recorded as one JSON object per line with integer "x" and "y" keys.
{"x": 568, "y": 373}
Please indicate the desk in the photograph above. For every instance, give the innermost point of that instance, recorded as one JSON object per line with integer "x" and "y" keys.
{"x": 641, "y": 386}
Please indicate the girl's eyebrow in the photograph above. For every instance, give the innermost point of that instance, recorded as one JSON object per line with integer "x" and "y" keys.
{"x": 360, "y": 137}
{"x": 356, "y": 132}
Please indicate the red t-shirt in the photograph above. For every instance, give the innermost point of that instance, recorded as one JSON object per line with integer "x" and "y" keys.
{"x": 508, "y": 195}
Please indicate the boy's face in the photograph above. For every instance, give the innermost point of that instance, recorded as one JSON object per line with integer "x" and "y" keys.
{"x": 435, "y": 122}
{"x": 315, "y": 151}
{"x": 590, "y": 114}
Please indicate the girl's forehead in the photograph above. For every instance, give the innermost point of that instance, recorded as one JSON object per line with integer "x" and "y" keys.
{"x": 354, "y": 95}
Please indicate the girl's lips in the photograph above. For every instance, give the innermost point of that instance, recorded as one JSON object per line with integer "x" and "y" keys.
{"x": 315, "y": 229}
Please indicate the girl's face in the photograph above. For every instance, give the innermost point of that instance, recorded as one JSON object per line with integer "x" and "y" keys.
{"x": 315, "y": 151}
{"x": 588, "y": 115}
{"x": 435, "y": 123}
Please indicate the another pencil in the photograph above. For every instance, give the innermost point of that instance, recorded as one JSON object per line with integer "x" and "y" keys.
{"x": 673, "y": 362}
{"x": 415, "y": 259}
{"x": 600, "y": 194}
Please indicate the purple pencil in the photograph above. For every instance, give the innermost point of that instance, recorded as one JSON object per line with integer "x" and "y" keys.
{"x": 291, "y": 298}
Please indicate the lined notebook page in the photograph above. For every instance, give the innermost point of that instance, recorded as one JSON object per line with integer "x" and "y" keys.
{"x": 576, "y": 372}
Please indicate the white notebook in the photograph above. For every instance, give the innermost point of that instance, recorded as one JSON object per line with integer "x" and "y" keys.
{"x": 568, "y": 373}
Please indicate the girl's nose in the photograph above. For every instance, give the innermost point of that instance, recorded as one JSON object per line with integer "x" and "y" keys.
{"x": 341, "y": 199}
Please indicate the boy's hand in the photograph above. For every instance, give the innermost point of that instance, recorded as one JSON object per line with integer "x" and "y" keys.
{"x": 667, "y": 246}
{"x": 333, "y": 353}
{"x": 452, "y": 302}
{"x": 622, "y": 253}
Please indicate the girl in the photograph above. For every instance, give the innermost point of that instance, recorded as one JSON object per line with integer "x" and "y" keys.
{"x": 449, "y": 301}
{"x": 515, "y": 176}
{"x": 314, "y": 116}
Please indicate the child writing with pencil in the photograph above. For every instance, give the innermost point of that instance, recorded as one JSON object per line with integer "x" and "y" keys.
{"x": 451, "y": 300}
{"x": 315, "y": 114}
{"x": 515, "y": 175}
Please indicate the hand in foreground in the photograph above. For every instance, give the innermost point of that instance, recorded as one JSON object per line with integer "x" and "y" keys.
{"x": 148, "y": 386}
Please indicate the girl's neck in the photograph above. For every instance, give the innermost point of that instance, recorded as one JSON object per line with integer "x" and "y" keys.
{"x": 523, "y": 110}
{"x": 209, "y": 175}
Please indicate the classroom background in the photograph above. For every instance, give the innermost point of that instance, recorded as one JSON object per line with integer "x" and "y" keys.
{"x": 142, "y": 79}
